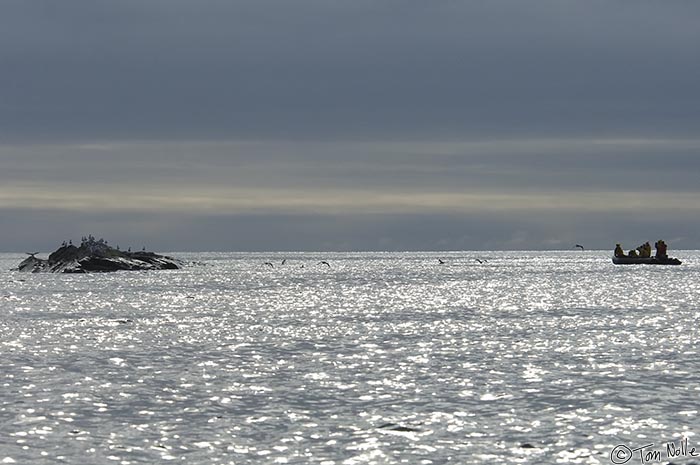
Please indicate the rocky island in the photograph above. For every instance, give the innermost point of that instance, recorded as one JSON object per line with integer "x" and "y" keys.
{"x": 95, "y": 256}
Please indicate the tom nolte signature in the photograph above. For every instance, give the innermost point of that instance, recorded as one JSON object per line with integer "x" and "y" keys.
{"x": 646, "y": 454}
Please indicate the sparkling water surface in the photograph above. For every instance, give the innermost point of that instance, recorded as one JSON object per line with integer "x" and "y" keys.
{"x": 530, "y": 357}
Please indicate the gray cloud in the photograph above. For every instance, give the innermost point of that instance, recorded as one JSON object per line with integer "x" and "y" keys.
{"x": 316, "y": 69}
{"x": 349, "y": 124}
{"x": 170, "y": 231}
{"x": 508, "y": 166}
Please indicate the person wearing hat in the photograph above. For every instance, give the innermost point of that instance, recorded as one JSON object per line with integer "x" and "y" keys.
{"x": 618, "y": 251}
{"x": 644, "y": 250}
{"x": 660, "y": 249}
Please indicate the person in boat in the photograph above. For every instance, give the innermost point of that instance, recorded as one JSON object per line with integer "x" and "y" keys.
{"x": 618, "y": 251}
{"x": 660, "y": 249}
{"x": 644, "y": 250}
{"x": 633, "y": 253}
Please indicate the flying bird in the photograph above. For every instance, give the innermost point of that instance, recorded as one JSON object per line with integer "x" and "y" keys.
{"x": 269, "y": 264}
{"x": 441, "y": 261}
{"x": 580, "y": 246}
{"x": 284, "y": 261}
{"x": 480, "y": 261}
{"x": 323, "y": 262}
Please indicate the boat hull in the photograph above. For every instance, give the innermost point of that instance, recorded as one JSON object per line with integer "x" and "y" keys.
{"x": 645, "y": 261}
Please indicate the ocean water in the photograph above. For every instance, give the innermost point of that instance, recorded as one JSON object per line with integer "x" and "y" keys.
{"x": 379, "y": 358}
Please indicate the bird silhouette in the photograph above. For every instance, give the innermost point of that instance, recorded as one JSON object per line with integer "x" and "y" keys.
{"x": 441, "y": 261}
{"x": 323, "y": 262}
{"x": 31, "y": 254}
{"x": 269, "y": 264}
{"x": 284, "y": 261}
{"x": 479, "y": 260}
{"x": 580, "y": 246}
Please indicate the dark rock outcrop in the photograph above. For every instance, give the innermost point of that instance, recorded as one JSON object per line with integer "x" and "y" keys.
{"x": 96, "y": 256}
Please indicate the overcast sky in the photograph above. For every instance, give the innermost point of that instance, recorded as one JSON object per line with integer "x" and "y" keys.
{"x": 356, "y": 125}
